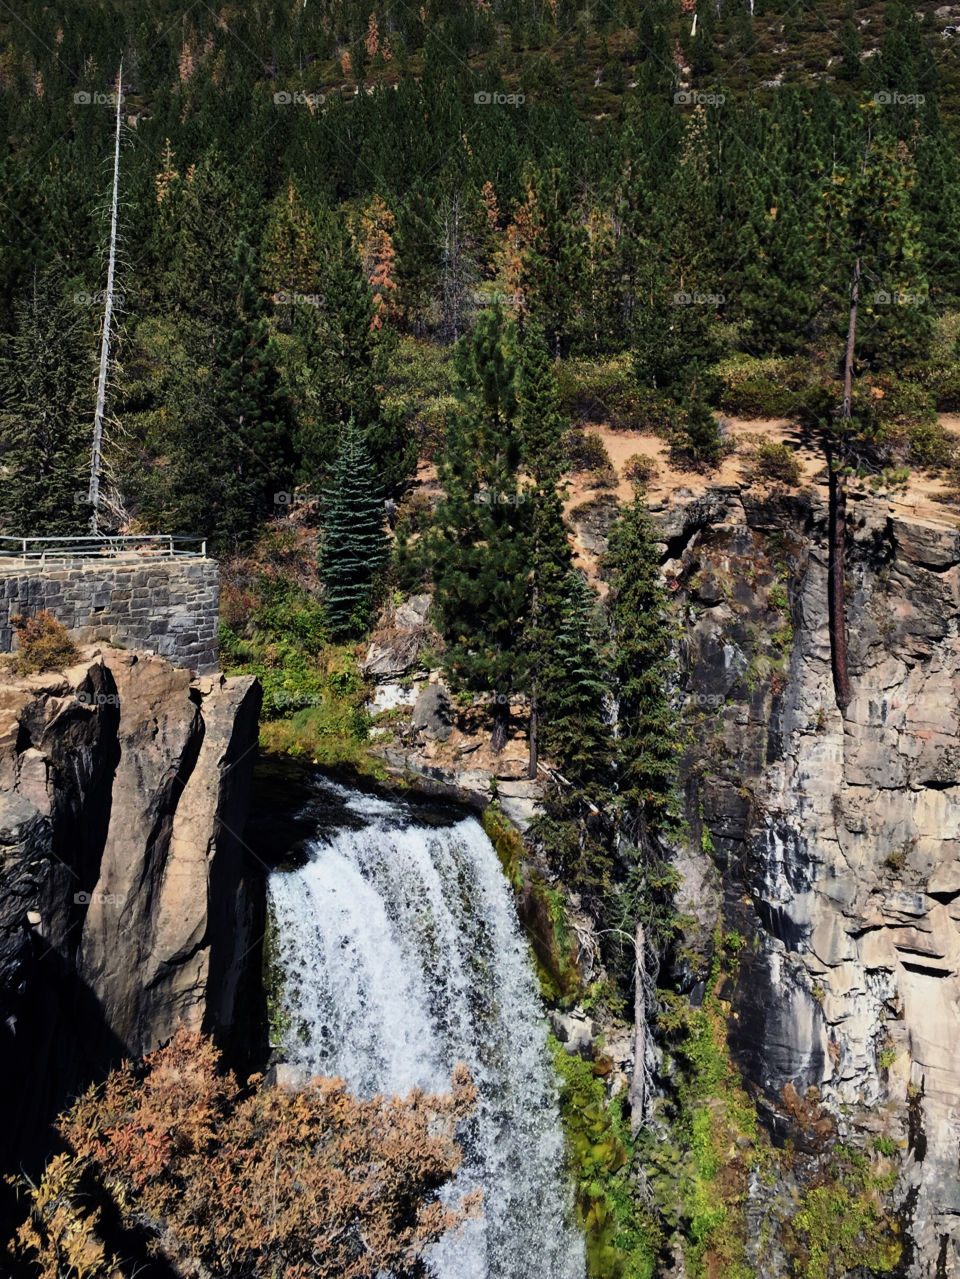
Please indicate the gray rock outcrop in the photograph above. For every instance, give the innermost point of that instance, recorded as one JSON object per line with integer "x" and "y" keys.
{"x": 123, "y": 905}
{"x": 835, "y": 839}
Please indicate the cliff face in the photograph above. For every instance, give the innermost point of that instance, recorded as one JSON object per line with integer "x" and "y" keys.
{"x": 123, "y": 910}
{"x": 832, "y": 843}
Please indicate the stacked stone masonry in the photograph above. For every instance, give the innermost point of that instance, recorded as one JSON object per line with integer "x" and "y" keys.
{"x": 163, "y": 606}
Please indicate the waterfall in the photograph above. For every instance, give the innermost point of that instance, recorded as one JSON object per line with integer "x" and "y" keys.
{"x": 401, "y": 955}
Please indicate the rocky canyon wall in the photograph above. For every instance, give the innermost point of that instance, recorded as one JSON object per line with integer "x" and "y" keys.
{"x": 831, "y": 843}
{"x": 123, "y": 906}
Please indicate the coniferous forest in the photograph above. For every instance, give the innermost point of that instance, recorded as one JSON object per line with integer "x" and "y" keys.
{"x": 392, "y": 281}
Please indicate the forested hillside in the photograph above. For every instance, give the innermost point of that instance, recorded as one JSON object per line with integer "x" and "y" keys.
{"x": 318, "y": 200}
{"x": 393, "y": 284}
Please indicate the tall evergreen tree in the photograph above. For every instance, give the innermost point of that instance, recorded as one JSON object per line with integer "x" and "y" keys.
{"x": 576, "y": 827}
{"x": 339, "y": 369}
{"x": 480, "y": 540}
{"x": 541, "y": 427}
{"x": 643, "y": 672}
{"x": 576, "y": 734}
{"x": 46, "y": 405}
{"x": 868, "y": 235}
{"x": 353, "y": 541}
{"x": 230, "y": 440}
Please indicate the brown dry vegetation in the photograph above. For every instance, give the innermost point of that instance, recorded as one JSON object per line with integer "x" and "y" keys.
{"x": 175, "y": 1158}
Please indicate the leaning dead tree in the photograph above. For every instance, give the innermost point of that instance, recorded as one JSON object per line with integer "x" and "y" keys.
{"x": 838, "y": 515}
{"x": 640, "y": 1090}
{"x": 96, "y": 456}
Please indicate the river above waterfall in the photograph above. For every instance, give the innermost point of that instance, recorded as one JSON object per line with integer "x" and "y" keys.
{"x": 402, "y": 955}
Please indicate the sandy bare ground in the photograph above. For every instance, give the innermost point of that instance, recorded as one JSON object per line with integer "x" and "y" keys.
{"x": 917, "y": 497}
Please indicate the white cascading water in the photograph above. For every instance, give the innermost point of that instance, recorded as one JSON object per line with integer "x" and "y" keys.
{"x": 401, "y": 956}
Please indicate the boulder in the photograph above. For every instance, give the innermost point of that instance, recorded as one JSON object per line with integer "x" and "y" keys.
{"x": 433, "y": 714}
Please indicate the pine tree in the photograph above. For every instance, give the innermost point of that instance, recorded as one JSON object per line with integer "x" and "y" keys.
{"x": 353, "y": 542}
{"x": 480, "y": 540}
{"x": 339, "y": 369}
{"x": 643, "y": 673}
{"x": 46, "y": 403}
{"x": 541, "y": 426}
{"x": 576, "y": 829}
{"x": 378, "y": 256}
{"x": 291, "y": 254}
{"x": 697, "y": 441}
{"x": 869, "y": 233}
{"x": 576, "y": 735}
{"x": 229, "y": 439}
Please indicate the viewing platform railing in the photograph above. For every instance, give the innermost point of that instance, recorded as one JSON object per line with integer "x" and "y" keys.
{"x": 102, "y": 546}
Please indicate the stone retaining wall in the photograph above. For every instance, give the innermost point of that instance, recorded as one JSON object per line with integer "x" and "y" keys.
{"x": 164, "y": 606}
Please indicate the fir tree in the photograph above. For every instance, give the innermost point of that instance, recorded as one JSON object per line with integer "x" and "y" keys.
{"x": 339, "y": 371}
{"x": 353, "y": 542}
{"x": 576, "y": 735}
{"x": 231, "y": 440}
{"x": 480, "y": 541}
{"x": 576, "y": 829}
{"x": 46, "y": 403}
{"x": 541, "y": 426}
{"x": 643, "y": 672}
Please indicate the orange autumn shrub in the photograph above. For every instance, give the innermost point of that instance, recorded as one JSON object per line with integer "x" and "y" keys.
{"x": 233, "y": 1181}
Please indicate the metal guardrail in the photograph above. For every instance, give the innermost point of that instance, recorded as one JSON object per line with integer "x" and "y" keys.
{"x": 103, "y": 546}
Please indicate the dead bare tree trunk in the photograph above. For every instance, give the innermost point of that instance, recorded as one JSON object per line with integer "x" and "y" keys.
{"x": 501, "y": 723}
{"x": 533, "y": 761}
{"x": 637, "y": 1092}
{"x": 96, "y": 458}
{"x": 838, "y": 515}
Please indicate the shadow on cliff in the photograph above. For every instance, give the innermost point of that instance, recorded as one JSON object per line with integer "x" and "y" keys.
{"x": 61, "y": 1025}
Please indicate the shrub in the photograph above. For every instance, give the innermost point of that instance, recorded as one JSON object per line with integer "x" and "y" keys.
{"x": 772, "y": 462}
{"x": 640, "y": 469}
{"x": 585, "y": 451}
{"x": 607, "y": 393}
{"x": 698, "y": 444}
{"x": 930, "y": 445}
{"x": 896, "y": 401}
{"x": 946, "y": 391}
{"x": 43, "y": 644}
{"x": 622, "y": 1235}
{"x": 258, "y": 1181}
{"x": 761, "y": 387}
{"x": 605, "y": 477}
{"x": 657, "y": 413}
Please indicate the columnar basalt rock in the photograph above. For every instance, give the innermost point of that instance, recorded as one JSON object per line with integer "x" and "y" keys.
{"x": 835, "y": 838}
{"x": 124, "y": 910}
